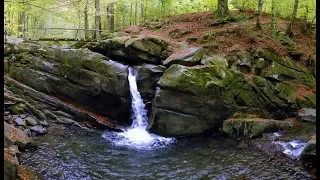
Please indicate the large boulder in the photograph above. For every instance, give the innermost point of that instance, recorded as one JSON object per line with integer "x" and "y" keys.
{"x": 80, "y": 76}
{"x": 249, "y": 128}
{"x": 147, "y": 77}
{"x": 16, "y": 136}
{"x": 308, "y": 115}
{"x": 215, "y": 60}
{"x": 284, "y": 69}
{"x": 10, "y": 170}
{"x": 26, "y": 173}
{"x": 209, "y": 94}
{"x": 187, "y": 57}
{"x": 309, "y": 154}
{"x": 132, "y": 51}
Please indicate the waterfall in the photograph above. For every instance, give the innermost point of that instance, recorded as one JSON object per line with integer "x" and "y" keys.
{"x": 136, "y": 136}
{"x": 140, "y": 119}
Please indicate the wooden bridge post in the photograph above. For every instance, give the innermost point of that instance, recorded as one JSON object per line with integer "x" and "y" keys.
{"x": 45, "y": 31}
{"x": 76, "y": 34}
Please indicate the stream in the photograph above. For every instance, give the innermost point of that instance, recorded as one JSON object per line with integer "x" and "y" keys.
{"x": 69, "y": 152}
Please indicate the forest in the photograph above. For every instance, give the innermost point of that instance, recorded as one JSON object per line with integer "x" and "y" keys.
{"x": 27, "y": 17}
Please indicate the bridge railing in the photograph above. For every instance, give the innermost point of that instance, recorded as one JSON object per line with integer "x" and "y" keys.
{"x": 60, "y": 34}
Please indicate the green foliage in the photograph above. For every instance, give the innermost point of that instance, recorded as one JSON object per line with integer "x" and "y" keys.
{"x": 29, "y": 15}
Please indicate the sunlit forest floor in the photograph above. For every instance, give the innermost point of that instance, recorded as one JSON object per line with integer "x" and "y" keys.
{"x": 230, "y": 36}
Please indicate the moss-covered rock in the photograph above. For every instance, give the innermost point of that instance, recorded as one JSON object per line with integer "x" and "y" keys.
{"x": 215, "y": 61}
{"x": 10, "y": 170}
{"x": 270, "y": 55}
{"x": 307, "y": 101}
{"x": 80, "y": 76}
{"x": 150, "y": 45}
{"x": 26, "y": 173}
{"x": 308, "y": 115}
{"x": 147, "y": 77}
{"x": 286, "y": 41}
{"x": 309, "y": 152}
{"x": 187, "y": 57}
{"x": 197, "y": 80}
{"x": 283, "y": 73}
{"x": 249, "y": 128}
{"x": 287, "y": 91}
{"x": 17, "y": 136}
{"x": 206, "y": 37}
{"x": 11, "y": 153}
{"x": 247, "y": 97}
{"x": 170, "y": 123}
{"x": 133, "y": 50}
{"x": 261, "y": 63}
{"x": 211, "y": 94}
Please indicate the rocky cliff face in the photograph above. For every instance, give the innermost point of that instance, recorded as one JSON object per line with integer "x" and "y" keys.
{"x": 187, "y": 92}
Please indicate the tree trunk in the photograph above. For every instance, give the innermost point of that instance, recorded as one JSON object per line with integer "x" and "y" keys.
{"x": 274, "y": 19}
{"x": 110, "y": 16}
{"x": 142, "y": 11}
{"x": 86, "y": 23}
{"x": 162, "y": 6}
{"x": 98, "y": 24}
{"x": 131, "y": 14}
{"x": 294, "y": 15}
{"x": 145, "y": 11}
{"x": 223, "y": 9}
{"x": 20, "y": 22}
{"x": 295, "y": 8}
{"x": 260, "y": 4}
{"x": 135, "y": 13}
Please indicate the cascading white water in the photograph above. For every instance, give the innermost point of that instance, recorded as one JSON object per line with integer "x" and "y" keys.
{"x": 136, "y": 135}
{"x": 292, "y": 148}
{"x": 139, "y": 115}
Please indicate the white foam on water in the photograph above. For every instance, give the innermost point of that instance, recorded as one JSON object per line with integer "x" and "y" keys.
{"x": 136, "y": 136}
{"x": 292, "y": 148}
{"x": 277, "y": 134}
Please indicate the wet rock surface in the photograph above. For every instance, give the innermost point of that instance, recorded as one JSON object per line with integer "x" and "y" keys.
{"x": 307, "y": 114}
{"x": 253, "y": 127}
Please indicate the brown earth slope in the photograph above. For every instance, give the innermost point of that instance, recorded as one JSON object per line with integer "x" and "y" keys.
{"x": 233, "y": 36}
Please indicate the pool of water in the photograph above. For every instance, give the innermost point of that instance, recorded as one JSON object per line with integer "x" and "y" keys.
{"x": 69, "y": 152}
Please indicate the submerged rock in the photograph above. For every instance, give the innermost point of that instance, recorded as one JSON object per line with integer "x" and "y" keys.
{"x": 253, "y": 127}
{"x": 19, "y": 121}
{"x": 39, "y": 129}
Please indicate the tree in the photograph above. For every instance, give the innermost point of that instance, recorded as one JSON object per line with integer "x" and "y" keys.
{"x": 223, "y": 9}
{"x": 97, "y": 17}
{"x": 260, "y": 4}
{"x": 294, "y": 15}
{"x": 274, "y": 18}
{"x": 110, "y": 16}
{"x": 86, "y": 23}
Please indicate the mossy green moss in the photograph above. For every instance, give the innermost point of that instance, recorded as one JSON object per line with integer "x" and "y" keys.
{"x": 199, "y": 80}
{"x": 250, "y": 128}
